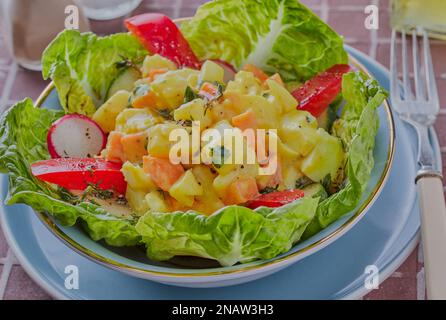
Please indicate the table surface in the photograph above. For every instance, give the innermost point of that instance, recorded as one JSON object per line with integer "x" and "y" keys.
{"x": 17, "y": 83}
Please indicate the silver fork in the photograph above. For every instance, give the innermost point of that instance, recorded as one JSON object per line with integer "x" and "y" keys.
{"x": 419, "y": 108}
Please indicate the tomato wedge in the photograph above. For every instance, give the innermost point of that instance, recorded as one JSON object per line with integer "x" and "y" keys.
{"x": 160, "y": 35}
{"x": 275, "y": 199}
{"x": 78, "y": 173}
{"x": 316, "y": 94}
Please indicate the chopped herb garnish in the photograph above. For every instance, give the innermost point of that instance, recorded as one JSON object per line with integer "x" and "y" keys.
{"x": 165, "y": 113}
{"x": 326, "y": 182}
{"x": 303, "y": 182}
{"x": 127, "y": 63}
{"x": 269, "y": 189}
{"x": 95, "y": 191}
{"x": 207, "y": 107}
{"x": 185, "y": 123}
{"x": 190, "y": 95}
{"x": 65, "y": 195}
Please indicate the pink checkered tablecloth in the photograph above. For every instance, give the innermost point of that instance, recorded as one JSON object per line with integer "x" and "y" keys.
{"x": 405, "y": 283}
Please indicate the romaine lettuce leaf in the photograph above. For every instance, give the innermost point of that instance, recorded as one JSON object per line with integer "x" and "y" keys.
{"x": 23, "y": 131}
{"x": 357, "y": 128}
{"x": 233, "y": 234}
{"x": 84, "y": 66}
{"x": 277, "y": 36}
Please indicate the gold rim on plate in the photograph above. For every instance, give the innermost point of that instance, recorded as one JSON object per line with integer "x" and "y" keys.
{"x": 54, "y": 228}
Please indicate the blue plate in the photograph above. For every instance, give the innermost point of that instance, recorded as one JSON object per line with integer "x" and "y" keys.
{"x": 384, "y": 237}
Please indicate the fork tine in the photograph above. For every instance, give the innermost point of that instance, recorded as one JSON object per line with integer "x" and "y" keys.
{"x": 406, "y": 81}
{"x": 419, "y": 91}
{"x": 394, "y": 87}
{"x": 430, "y": 75}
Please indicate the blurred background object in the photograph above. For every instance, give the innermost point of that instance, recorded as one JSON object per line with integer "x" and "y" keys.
{"x": 429, "y": 14}
{"x": 28, "y": 27}
{"x": 108, "y": 9}
{"x": 107, "y": 16}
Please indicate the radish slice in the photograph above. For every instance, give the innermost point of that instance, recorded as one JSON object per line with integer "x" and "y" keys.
{"x": 229, "y": 69}
{"x": 75, "y": 136}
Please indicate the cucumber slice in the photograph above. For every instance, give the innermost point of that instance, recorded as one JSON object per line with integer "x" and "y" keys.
{"x": 125, "y": 81}
{"x": 315, "y": 190}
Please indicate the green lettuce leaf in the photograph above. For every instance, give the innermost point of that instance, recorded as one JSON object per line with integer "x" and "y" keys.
{"x": 233, "y": 234}
{"x": 23, "y": 131}
{"x": 357, "y": 128}
{"x": 83, "y": 66}
{"x": 277, "y": 36}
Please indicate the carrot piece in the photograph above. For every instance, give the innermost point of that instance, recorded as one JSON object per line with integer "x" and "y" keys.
{"x": 156, "y": 72}
{"x": 114, "y": 149}
{"x": 262, "y": 76}
{"x": 134, "y": 146}
{"x": 147, "y": 100}
{"x": 163, "y": 172}
{"x": 246, "y": 120}
{"x": 208, "y": 90}
{"x": 241, "y": 190}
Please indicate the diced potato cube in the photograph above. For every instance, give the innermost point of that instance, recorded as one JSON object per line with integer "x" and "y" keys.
{"x": 282, "y": 95}
{"x": 209, "y": 202}
{"x": 327, "y": 157}
{"x": 273, "y": 180}
{"x": 186, "y": 188}
{"x": 194, "y": 110}
{"x": 159, "y": 144}
{"x": 290, "y": 174}
{"x": 156, "y": 62}
{"x": 223, "y": 181}
{"x": 266, "y": 113}
{"x": 136, "y": 200}
{"x": 298, "y": 131}
{"x": 136, "y": 178}
{"x": 245, "y": 83}
{"x": 135, "y": 120}
{"x": 155, "y": 201}
{"x": 171, "y": 86}
{"x": 106, "y": 114}
{"x": 211, "y": 72}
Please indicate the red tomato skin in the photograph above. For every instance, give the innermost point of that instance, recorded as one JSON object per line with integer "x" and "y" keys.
{"x": 160, "y": 35}
{"x": 316, "y": 94}
{"x": 275, "y": 199}
{"x": 78, "y": 173}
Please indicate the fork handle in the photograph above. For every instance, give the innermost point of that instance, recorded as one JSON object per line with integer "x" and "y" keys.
{"x": 433, "y": 233}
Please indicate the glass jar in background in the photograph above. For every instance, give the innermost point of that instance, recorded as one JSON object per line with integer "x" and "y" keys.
{"x": 429, "y": 14}
{"x": 30, "y": 25}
